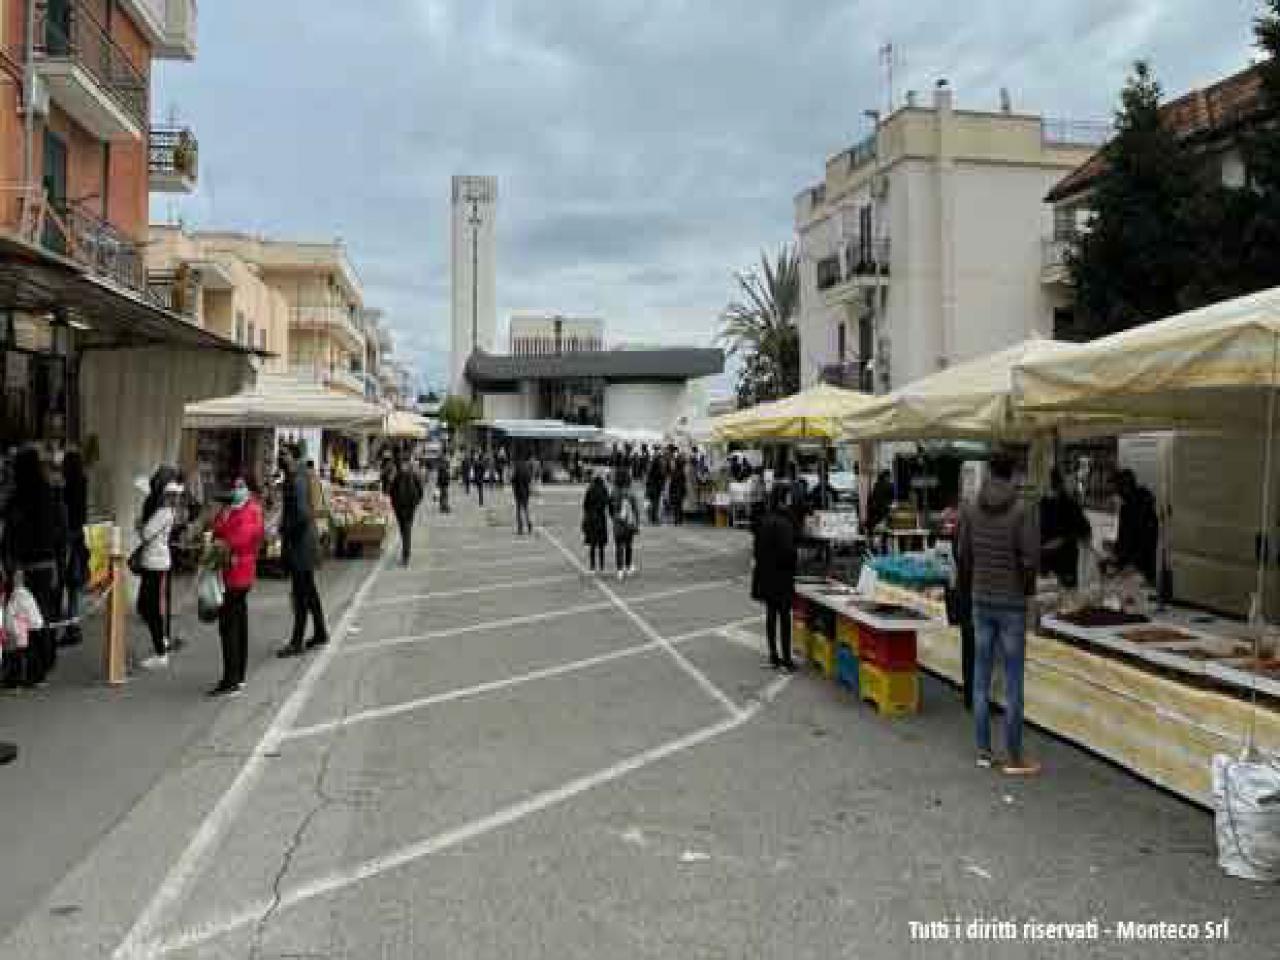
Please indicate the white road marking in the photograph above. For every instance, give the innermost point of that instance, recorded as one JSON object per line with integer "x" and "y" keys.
{"x": 645, "y": 627}
{"x": 492, "y": 686}
{"x": 526, "y": 618}
{"x": 340, "y": 880}
{"x": 140, "y": 940}
{"x": 470, "y": 591}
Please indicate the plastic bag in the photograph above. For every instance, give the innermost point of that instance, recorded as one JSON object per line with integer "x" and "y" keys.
{"x": 21, "y": 616}
{"x": 1246, "y": 803}
{"x": 209, "y": 594}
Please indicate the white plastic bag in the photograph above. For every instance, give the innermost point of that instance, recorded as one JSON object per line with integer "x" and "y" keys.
{"x": 209, "y": 594}
{"x": 1246, "y": 803}
{"x": 21, "y": 616}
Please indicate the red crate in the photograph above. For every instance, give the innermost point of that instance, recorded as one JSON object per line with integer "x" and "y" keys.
{"x": 891, "y": 650}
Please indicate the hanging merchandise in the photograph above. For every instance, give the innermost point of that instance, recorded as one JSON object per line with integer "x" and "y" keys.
{"x": 209, "y": 594}
{"x": 1246, "y": 801}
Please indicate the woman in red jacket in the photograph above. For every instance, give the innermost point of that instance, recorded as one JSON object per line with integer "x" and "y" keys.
{"x": 239, "y": 526}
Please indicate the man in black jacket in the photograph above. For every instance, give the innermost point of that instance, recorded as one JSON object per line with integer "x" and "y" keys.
{"x": 406, "y": 494}
{"x": 298, "y": 549}
{"x": 521, "y": 488}
{"x": 773, "y": 580}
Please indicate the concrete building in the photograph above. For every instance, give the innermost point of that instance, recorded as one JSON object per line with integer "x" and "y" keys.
{"x": 543, "y": 334}
{"x": 921, "y": 246}
{"x": 473, "y": 262}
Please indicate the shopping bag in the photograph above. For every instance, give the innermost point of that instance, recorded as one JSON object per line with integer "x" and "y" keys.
{"x": 21, "y": 616}
{"x": 209, "y": 594}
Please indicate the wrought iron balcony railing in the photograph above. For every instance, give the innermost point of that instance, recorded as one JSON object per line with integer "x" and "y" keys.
{"x": 67, "y": 30}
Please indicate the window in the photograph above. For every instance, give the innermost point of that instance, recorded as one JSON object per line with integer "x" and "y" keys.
{"x": 841, "y": 344}
{"x": 252, "y": 339}
{"x": 239, "y": 331}
{"x": 262, "y": 339}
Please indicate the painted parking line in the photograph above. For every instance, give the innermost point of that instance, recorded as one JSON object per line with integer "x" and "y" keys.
{"x": 340, "y": 880}
{"x": 487, "y": 625}
{"x": 647, "y": 629}
{"x": 472, "y": 591}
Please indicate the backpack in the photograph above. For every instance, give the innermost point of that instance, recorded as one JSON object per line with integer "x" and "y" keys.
{"x": 627, "y": 514}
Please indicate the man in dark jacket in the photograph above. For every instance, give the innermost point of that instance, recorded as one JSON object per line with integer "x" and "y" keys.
{"x": 998, "y": 552}
{"x": 773, "y": 580}
{"x": 442, "y": 483}
{"x": 1063, "y": 526}
{"x": 1138, "y": 533}
{"x": 653, "y": 488}
{"x": 406, "y": 494}
{"x": 521, "y": 488}
{"x": 298, "y": 549}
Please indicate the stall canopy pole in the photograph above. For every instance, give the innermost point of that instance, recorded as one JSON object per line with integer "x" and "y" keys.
{"x": 1265, "y": 552}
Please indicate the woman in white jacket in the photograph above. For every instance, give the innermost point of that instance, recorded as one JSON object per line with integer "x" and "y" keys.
{"x": 154, "y": 527}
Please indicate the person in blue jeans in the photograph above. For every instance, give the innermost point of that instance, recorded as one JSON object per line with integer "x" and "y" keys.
{"x": 997, "y": 555}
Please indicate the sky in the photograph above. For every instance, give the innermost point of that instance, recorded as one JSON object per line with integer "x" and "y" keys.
{"x": 646, "y": 150}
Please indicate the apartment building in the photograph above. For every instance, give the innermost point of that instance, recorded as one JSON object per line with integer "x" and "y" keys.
{"x": 921, "y": 246}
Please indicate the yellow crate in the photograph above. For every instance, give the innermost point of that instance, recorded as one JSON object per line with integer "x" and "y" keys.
{"x": 847, "y": 633}
{"x": 823, "y": 654}
{"x": 801, "y": 639}
{"x": 894, "y": 693}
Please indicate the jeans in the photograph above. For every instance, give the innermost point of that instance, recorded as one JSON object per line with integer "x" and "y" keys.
{"x": 622, "y": 550}
{"x": 597, "y": 551}
{"x": 306, "y": 599}
{"x": 777, "y": 619}
{"x": 1005, "y": 628}
{"x": 233, "y": 631}
{"x": 522, "y": 515}
{"x": 149, "y": 594}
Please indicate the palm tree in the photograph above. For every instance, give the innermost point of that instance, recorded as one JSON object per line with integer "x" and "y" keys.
{"x": 760, "y": 327}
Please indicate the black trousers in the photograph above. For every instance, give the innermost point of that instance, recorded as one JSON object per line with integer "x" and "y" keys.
{"x": 306, "y": 600}
{"x": 522, "y": 515}
{"x": 444, "y": 499}
{"x": 677, "y": 511}
{"x": 622, "y": 550}
{"x": 655, "y": 507}
{"x": 405, "y": 520}
{"x": 150, "y": 590}
{"x": 233, "y": 631}
{"x": 777, "y": 619}
{"x": 597, "y": 556}
{"x": 480, "y": 492}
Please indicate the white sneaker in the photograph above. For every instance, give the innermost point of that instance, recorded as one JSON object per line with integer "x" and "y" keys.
{"x": 631, "y": 571}
{"x": 622, "y": 575}
{"x": 156, "y": 662}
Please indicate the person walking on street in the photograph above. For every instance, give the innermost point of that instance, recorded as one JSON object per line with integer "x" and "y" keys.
{"x": 679, "y": 490}
{"x": 998, "y": 554}
{"x": 626, "y": 523}
{"x": 75, "y": 497}
{"x": 466, "y": 474}
{"x": 653, "y": 489}
{"x": 521, "y": 488}
{"x": 298, "y": 549}
{"x": 239, "y": 526}
{"x": 442, "y": 483}
{"x": 500, "y": 465}
{"x": 478, "y": 476}
{"x": 406, "y": 494}
{"x": 773, "y": 578}
{"x": 35, "y": 532}
{"x": 595, "y": 522}
{"x": 154, "y": 562}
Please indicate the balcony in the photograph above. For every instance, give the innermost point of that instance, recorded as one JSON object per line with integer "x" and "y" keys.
{"x": 866, "y": 258}
{"x": 169, "y": 26}
{"x": 336, "y": 321}
{"x": 176, "y": 290}
{"x": 173, "y": 156}
{"x": 1055, "y": 260}
{"x": 850, "y": 375}
{"x": 87, "y": 73}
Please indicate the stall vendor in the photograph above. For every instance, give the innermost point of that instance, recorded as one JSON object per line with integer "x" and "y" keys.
{"x": 1138, "y": 534}
{"x": 1063, "y": 526}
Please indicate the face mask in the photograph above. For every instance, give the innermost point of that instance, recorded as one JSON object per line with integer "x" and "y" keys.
{"x": 239, "y": 496}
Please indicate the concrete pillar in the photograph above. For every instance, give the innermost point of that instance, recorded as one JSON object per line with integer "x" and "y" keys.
{"x": 946, "y": 178}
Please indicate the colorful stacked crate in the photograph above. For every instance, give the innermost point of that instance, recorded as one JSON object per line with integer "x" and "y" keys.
{"x": 887, "y": 673}
{"x": 822, "y": 639}
{"x": 847, "y": 634}
{"x": 800, "y": 625}
{"x": 847, "y": 668}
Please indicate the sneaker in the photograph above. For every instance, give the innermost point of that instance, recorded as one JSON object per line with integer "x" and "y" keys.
{"x": 631, "y": 571}
{"x": 8, "y": 753}
{"x": 985, "y": 760}
{"x": 622, "y": 575}
{"x": 159, "y": 661}
{"x": 789, "y": 666}
{"x": 317, "y": 642}
{"x": 290, "y": 650}
{"x": 226, "y": 690}
{"x": 1021, "y": 768}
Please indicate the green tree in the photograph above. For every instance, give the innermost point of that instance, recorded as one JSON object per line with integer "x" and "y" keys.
{"x": 458, "y": 413}
{"x": 1144, "y": 246}
{"x": 760, "y": 328}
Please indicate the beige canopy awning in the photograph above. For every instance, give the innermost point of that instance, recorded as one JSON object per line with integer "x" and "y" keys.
{"x": 402, "y": 425}
{"x": 813, "y": 414}
{"x": 280, "y": 401}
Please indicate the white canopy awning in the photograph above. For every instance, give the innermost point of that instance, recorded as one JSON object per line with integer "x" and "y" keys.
{"x": 545, "y": 430}
{"x": 281, "y": 401}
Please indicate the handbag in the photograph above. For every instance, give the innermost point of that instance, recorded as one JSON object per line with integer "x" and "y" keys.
{"x": 210, "y": 593}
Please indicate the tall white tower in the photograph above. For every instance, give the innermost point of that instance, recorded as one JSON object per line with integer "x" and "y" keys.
{"x": 475, "y": 313}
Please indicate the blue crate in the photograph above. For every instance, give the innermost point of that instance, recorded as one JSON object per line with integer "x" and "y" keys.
{"x": 846, "y": 668}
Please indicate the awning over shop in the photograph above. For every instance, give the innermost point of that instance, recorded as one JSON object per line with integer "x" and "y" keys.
{"x": 1212, "y": 367}
{"x": 813, "y": 414}
{"x": 971, "y": 400}
{"x": 402, "y": 425}
{"x": 545, "y": 430}
{"x": 280, "y": 401}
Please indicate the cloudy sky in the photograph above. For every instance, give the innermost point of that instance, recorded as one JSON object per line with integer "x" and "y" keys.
{"x": 646, "y": 149}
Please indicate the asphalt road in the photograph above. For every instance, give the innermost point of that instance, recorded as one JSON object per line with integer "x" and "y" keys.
{"x": 501, "y": 757}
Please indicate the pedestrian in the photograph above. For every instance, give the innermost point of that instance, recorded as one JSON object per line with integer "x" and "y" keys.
{"x": 239, "y": 527}
{"x": 653, "y": 489}
{"x": 298, "y": 549}
{"x": 35, "y": 534}
{"x": 478, "y": 476}
{"x": 1138, "y": 530}
{"x": 406, "y": 495}
{"x": 1063, "y": 526}
{"x": 679, "y": 490}
{"x": 521, "y": 488}
{"x": 154, "y": 562}
{"x": 501, "y": 465}
{"x": 879, "y": 502}
{"x": 997, "y": 551}
{"x": 75, "y": 498}
{"x": 442, "y": 483}
{"x": 773, "y": 578}
{"x": 595, "y": 522}
{"x": 466, "y": 473}
{"x": 626, "y": 523}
